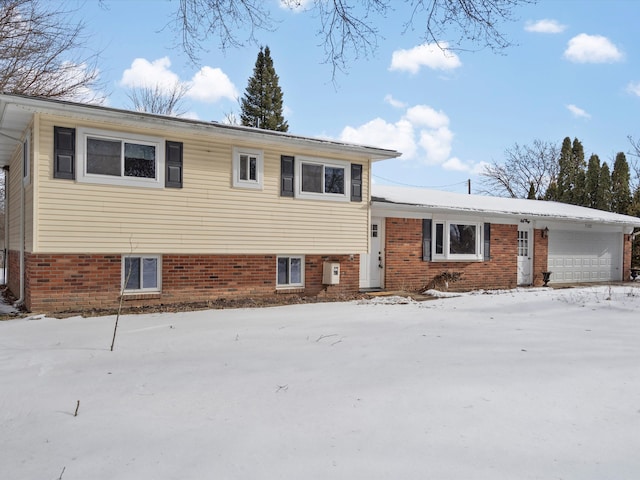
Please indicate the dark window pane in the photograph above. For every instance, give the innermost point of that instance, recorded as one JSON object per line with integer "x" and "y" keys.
{"x": 311, "y": 178}
{"x": 296, "y": 271}
{"x": 333, "y": 180}
{"x": 132, "y": 273}
{"x": 283, "y": 271}
{"x": 439, "y": 238}
{"x": 150, "y": 273}
{"x": 462, "y": 239}
{"x": 139, "y": 160}
{"x": 253, "y": 168}
{"x": 103, "y": 157}
{"x": 243, "y": 167}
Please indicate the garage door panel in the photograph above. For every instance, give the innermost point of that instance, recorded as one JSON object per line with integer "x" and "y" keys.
{"x": 584, "y": 256}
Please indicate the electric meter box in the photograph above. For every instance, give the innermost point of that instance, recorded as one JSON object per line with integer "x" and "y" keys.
{"x": 331, "y": 273}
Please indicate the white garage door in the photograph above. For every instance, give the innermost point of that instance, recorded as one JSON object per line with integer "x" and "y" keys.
{"x": 585, "y": 256}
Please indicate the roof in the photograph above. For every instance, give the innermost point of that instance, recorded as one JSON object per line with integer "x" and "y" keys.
{"x": 16, "y": 112}
{"x": 447, "y": 202}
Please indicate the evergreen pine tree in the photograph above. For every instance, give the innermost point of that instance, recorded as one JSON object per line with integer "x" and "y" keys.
{"x": 571, "y": 173}
{"x": 603, "y": 199}
{"x": 532, "y": 192}
{"x": 592, "y": 181}
{"x": 621, "y": 192}
{"x": 261, "y": 105}
{"x": 552, "y": 192}
{"x": 564, "y": 184}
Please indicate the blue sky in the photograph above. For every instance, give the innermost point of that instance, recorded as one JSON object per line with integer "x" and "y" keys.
{"x": 574, "y": 70}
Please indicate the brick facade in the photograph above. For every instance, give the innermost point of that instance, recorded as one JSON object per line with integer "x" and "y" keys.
{"x": 405, "y": 269}
{"x": 540, "y": 256}
{"x": 627, "y": 252}
{"x": 73, "y": 282}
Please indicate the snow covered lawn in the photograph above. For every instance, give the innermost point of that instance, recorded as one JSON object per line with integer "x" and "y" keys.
{"x": 520, "y": 384}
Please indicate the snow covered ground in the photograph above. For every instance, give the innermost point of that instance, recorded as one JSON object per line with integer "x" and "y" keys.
{"x": 525, "y": 384}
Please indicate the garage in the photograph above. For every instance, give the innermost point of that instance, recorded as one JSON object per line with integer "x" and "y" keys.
{"x": 584, "y": 256}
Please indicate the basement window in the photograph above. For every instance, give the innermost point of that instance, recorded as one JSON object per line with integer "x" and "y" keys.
{"x": 141, "y": 273}
{"x": 290, "y": 272}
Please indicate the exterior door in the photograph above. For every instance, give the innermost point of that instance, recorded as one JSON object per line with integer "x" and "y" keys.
{"x": 525, "y": 254}
{"x": 372, "y": 264}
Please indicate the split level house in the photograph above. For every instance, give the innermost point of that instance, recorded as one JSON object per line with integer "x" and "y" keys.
{"x": 105, "y": 205}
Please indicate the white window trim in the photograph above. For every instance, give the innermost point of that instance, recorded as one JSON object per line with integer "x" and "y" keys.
{"x": 339, "y": 197}
{"x": 445, "y": 255}
{"x": 81, "y": 164}
{"x": 290, "y": 286}
{"x": 237, "y": 181}
{"x": 26, "y": 159}
{"x": 123, "y": 284}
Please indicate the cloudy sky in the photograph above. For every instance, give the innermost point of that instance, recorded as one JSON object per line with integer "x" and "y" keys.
{"x": 574, "y": 70}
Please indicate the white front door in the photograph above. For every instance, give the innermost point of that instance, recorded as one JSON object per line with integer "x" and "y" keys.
{"x": 525, "y": 254}
{"x": 372, "y": 264}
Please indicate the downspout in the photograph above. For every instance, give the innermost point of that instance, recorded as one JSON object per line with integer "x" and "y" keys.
{"x": 5, "y": 266}
{"x": 20, "y": 301}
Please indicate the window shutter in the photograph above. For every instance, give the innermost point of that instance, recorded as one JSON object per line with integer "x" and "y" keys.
{"x": 64, "y": 153}
{"x": 286, "y": 176}
{"x": 173, "y": 159}
{"x": 356, "y": 182}
{"x": 426, "y": 239}
{"x": 487, "y": 241}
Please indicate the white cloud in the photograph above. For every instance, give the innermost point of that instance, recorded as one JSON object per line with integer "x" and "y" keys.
{"x": 207, "y": 85}
{"x": 634, "y": 88}
{"x": 456, "y": 165}
{"x": 436, "y": 57}
{"x": 585, "y": 48}
{"x": 425, "y": 116}
{"x": 422, "y": 135}
{"x": 393, "y": 102}
{"x": 144, "y": 73}
{"x": 545, "y": 26}
{"x": 295, "y": 5}
{"x": 436, "y": 144}
{"x": 210, "y": 85}
{"x": 398, "y": 136}
{"x": 578, "y": 112}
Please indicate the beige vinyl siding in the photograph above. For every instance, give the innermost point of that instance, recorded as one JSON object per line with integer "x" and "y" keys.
{"x": 17, "y": 202}
{"x": 206, "y": 216}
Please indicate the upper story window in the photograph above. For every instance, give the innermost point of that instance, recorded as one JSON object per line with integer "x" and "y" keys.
{"x": 120, "y": 159}
{"x": 247, "y": 168}
{"x": 455, "y": 240}
{"x": 326, "y": 179}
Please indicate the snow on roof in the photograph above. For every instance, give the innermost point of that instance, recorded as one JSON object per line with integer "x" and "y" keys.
{"x": 457, "y": 202}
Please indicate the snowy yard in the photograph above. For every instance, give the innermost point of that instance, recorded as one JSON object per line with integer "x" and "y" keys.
{"x": 521, "y": 384}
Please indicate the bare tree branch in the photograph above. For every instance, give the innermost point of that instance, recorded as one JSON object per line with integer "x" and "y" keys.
{"x": 158, "y": 100}
{"x": 41, "y": 52}
{"x": 348, "y": 28}
{"x": 524, "y": 165}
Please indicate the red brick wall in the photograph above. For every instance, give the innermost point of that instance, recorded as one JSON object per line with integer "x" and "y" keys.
{"x": 72, "y": 282}
{"x": 540, "y": 256}
{"x": 13, "y": 272}
{"x": 405, "y": 270}
{"x": 627, "y": 247}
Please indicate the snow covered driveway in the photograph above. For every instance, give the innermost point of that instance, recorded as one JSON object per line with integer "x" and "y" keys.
{"x": 520, "y": 384}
